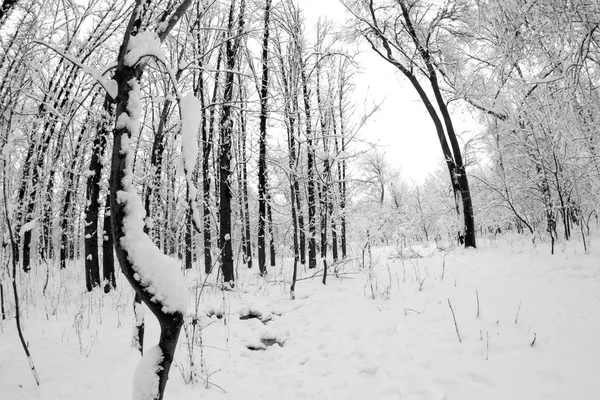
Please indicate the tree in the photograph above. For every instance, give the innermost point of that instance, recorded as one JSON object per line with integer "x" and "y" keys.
{"x": 235, "y": 28}
{"x": 262, "y": 157}
{"x": 409, "y": 35}
{"x": 153, "y": 276}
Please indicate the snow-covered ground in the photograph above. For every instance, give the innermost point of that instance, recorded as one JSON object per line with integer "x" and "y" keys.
{"x": 387, "y": 333}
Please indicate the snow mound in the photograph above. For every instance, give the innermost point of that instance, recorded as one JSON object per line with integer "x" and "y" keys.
{"x": 253, "y": 311}
{"x": 145, "y": 379}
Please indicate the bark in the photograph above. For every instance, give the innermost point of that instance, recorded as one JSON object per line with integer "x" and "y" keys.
{"x": 207, "y": 144}
{"x": 271, "y": 233}
{"x": 188, "y": 239}
{"x": 262, "y": 144}
{"x": 226, "y": 124}
{"x": 92, "y": 194}
{"x": 108, "y": 255}
{"x": 310, "y": 160}
{"x": 7, "y": 5}
{"x": 245, "y": 212}
{"x": 332, "y": 216}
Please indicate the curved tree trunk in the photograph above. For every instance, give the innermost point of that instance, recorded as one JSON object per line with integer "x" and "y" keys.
{"x": 130, "y": 242}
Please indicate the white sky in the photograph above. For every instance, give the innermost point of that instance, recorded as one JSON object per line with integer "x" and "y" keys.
{"x": 402, "y": 126}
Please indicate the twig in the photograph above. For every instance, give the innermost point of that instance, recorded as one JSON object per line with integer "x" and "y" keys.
{"x": 533, "y": 341}
{"x": 518, "y": 309}
{"x": 477, "y": 295}
{"x": 410, "y": 309}
{"x": 455, "y": 324}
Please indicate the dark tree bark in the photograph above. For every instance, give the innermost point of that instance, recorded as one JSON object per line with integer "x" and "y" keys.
{"x": 226, "y": 124}
{"x": 92, "y": 194}
{"x": 108, "y": 255}
{"x": 243, "y": 183}
{"x": 271, "y": 233}
{"x": 207, "y": 145}
{"x": 310, "y": 160}
{"x": 188, "y": 239}
{"x": 262, "y": 144}
{"x": 7, "y": 5}
{"x": 332, "y": 216}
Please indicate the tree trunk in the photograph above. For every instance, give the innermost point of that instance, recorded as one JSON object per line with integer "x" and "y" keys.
{"x": 262, "y": 145}
{"x": 271, "y": 233}
{"x": 245, "y": 211}
{"x": 127, "y": 209}
{"x": 207, "y": 144}
{"x": 312, "y": 200}
{"x": 225, "y": 239}
{"x": 108, "y": 257}
{"x": 92, "y": 194}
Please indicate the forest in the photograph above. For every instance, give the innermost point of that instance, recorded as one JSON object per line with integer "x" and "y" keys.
{"x": 207, "y": 161}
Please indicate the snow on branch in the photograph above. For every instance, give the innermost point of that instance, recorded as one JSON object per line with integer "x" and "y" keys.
{"x": 110, "y": 85}
{"x": 158, "y": 273}
{"x": 190, "y": 108}
{"x": 144, "y": 44}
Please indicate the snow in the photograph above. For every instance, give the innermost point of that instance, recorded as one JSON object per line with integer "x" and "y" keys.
{"x": 190, "y": 123}
{"x": 7, "y": 149}
{"x": 110, "y": 85}
{"x": 158, "y": 273}
{"x": 143, "y": 44}
{"x": 28, "y": 226}
{"x": 336, "y": 341}
{"x": 145, "y": 381}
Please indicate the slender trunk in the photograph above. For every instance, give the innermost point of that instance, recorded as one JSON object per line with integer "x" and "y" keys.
{"x": 332, "y": 216}
{"x": 247, "y": 236}
{"x": 241, "y": 199}
{"x": 108, "y": 256}
{"x": 92, "y": 193}
{"x": 67, "y": 206}
{"x": 271, "y": 233}
{"x": 225, "y": 239}
{"x": 262, "y": 144}
{"x": 324, "y": 184}
{"x": 312, "y": 201}
{"x": 207, "y": 144}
